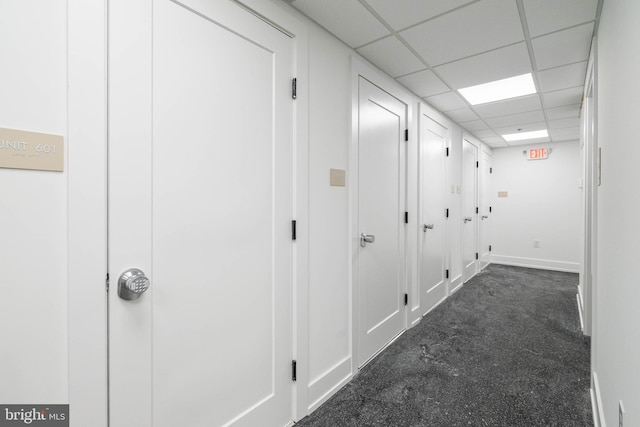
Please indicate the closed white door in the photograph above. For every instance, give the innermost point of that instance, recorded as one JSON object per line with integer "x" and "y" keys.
{"x": 484, "y": 203}
{"x": 432, "y": 227}
{"x": 381, "y": 205}
{"x": 469, "y": 210}
{"x": 200, "y": 200}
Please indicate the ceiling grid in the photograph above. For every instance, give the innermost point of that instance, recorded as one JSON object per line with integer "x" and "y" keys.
{"x": 436, "y": 47}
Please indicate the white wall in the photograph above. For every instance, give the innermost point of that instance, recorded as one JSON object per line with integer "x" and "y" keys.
{"x": 329, "y": 273}
{"x": 618, "y": 295}
{"x": 33, "y": 208}
{"x": 543, "y": 204}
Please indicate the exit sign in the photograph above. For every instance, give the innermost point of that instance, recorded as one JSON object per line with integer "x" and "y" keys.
{"x": 537, "y": 154}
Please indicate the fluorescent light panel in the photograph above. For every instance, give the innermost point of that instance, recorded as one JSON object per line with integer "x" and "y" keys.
{"x": 499, "y": 90}
{"x": 526, "y": 135}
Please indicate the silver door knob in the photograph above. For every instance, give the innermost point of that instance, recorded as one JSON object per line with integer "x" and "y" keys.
{"x": 467, "y": 219}
{"x": 366, "y": 238}
{"x": 484, "y": 217}
{"x": 132, "y": 283}
{"x": 426, "y": 227}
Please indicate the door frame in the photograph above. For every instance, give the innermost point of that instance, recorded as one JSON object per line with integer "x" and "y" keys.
{"x": 87, "y": 188}
{"x": 476, "y": 226}
{"x": 424, "y": 110}
{"x": 359, "y": 68}
{"x": 484, "y": 171}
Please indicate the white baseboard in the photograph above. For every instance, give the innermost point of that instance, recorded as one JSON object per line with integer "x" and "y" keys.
{"x": 325, "y": 386}
{"x": 596, "y": 404}
{"x": 579, "y": 302}
{"x": 455, "y": 284}
{"x": 542, "y": 264}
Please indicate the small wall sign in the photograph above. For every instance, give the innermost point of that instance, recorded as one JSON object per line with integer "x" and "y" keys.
{"x": 537, "y": 153}
{"x": 21, "y": 149}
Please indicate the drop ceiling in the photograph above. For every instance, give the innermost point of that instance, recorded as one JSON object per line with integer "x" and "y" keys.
{"x": 435, "y": 47}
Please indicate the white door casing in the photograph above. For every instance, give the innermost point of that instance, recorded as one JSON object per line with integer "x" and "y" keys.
{"x": 432, "y": 227}
{"x": 469, "y": 205}
{"x": 382, "y": 120}
{"x": 485, "y": 208}
{"x": 203, "y": 204}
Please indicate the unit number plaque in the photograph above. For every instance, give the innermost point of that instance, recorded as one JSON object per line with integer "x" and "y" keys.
{"x": 21, "y": 149}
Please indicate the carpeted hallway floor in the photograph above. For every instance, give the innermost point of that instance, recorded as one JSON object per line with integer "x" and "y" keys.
{"x": 505, "y": 350}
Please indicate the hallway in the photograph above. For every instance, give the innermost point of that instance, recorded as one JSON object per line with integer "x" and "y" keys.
{"x": 506, "y": 350}
{"x": 215, "y": 213}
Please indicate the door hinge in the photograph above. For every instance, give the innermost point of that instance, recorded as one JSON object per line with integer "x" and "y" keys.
{"x": 294, "y": 88}
{"x": 406, "y": 299}
{"x": 406, "y": 217}
{"x": 489, "y": 209}
{"x": 293, "y": 230}
{"x": 476, "y": 255}
{"x": 107, "y": 283}
{"x": 477, "y": 209}
{"x": 446, "y": 273}
{"x": 490, "y": 170}
{"x": 294, "y": 371}
{"x": 406, "y": 134}
{"x": 477, "y": 164}
{"x": 489, "y": 248}
{"x": 446, "y": 213}
{"x": 447, "y": 151}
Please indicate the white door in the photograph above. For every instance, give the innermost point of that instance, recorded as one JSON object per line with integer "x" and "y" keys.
{"x": 485, "y": 209}
{"x": 381, "y": 205}
{"x": 469, "y": 210}
{"x": 432, "y": 228}
{"x": 200, "y": 187}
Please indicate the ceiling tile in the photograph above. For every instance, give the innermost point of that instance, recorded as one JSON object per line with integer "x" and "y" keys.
{"x": 424, "y": 83}
{"x": 476, "y": 28}
{"x": 516, "y": 119}
{"x": 338, "y": 17}
{"x": 498, "y": 64}
{"x": 544, "y": 16}
{"x": 564, "y": 123}
{"x": 462, "y": 115}
{"x": 529, "y": 141}
{"x": 565, "y": 134}
{"x": 509, "y": 106}
{"x": 563, "y": 112}
{"x": 485, "y": 133}
{"x": 403, "y": 13}
{"x": 495, "y": 142}
{"x": 563, "y": 47}
{"x": 562, "y": 97}
{"x": 523, "y": 128}
{"x": 562, "y": 77}
{"x": 474, "y": 125}
{"x": 392, "y": 56}
{"x": 446, "y": 102}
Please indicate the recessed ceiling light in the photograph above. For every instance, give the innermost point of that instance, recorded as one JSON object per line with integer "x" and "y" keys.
{"x": 499, "y": 90}
{"x": 526, "y": 135}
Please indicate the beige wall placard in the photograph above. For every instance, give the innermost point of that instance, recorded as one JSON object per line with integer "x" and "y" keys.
{"x": 21, "y": 149}
{"x": 337, "y": 177}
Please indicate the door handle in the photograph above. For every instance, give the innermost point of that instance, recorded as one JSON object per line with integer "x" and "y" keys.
{"x": 484, "y": 217}
{"x": 366, "y": 238}
{"x": 426, "y": 227}
{"x": 467, "y": 219}
{"x": 132, "y": 283}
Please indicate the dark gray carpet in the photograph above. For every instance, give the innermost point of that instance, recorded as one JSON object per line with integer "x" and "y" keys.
{"x": 505, "y": 350}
